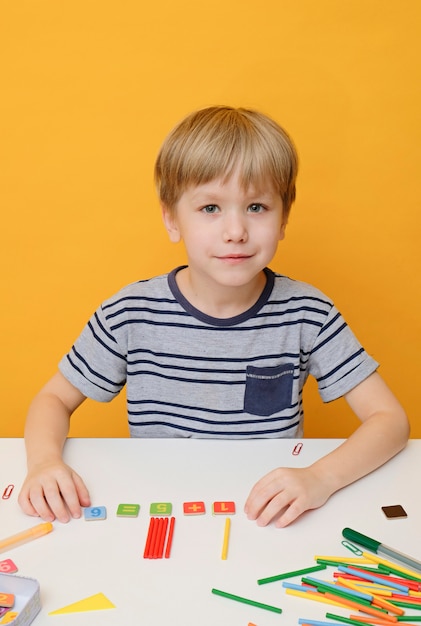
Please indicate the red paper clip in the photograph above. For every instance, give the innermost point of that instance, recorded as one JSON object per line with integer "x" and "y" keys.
{"x": 297, "y": 449}
{"x": 7, "y": 492}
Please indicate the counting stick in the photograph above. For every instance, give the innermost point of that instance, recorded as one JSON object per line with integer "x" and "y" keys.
{"x": 361, "y": 607}
{"x": 169, "y": 540}
{"x": 149, "y": 538}
{"x": 162, "y": 538}
{"x": 297, "y": 572}
{"x": 160, "y": 525}
{"x": 226, "y": 539}
{"x": 153, "y": 539}
{"x": 259, "y": 605}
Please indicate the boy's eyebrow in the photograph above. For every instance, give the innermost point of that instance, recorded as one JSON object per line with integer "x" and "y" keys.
{"x": 250, "y": 195}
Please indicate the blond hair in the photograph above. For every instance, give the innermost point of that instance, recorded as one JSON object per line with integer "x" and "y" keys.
{"x": 212, "y": 142}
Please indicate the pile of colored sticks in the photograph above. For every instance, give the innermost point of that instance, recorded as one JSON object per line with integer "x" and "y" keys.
{"x": 155, "y": 540}
{"x": 377, "y": 594}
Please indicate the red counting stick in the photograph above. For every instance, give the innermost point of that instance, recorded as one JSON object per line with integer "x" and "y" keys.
{"x": 169, "y": 540}
{"x": 162, "y": 538}
{"x": 149, "y": 539}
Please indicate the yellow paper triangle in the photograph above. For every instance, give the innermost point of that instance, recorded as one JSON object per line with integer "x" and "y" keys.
{"x": 98, "y": 602}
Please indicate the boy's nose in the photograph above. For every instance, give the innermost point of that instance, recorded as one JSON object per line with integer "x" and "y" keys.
{"x": 235, "y": 229}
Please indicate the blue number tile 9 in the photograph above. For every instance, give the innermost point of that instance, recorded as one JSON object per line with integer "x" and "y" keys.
{"x": 95, "y": 513}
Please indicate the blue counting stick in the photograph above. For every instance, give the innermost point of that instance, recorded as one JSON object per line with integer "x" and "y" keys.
{"x": 288, "y": 585}
{"x": 375, "y": 579}
{"x": 334, "y": 587}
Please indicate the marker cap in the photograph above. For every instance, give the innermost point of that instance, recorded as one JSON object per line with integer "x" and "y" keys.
{"x": 362, "y": 540}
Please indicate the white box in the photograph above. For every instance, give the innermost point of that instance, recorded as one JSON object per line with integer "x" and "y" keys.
{"x": 27, "y": 597}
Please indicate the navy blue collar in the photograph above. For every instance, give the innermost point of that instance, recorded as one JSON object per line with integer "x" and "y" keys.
{"x": 216, "y": 321}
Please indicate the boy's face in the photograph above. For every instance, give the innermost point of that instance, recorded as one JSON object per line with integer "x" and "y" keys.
{"x": 230, "y": 233}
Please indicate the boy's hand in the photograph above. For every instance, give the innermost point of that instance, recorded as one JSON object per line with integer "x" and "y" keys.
{"x": 285, "y": 493}
{"x": 53, "y": 491}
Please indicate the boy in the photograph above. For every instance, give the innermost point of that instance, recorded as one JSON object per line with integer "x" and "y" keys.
{"x": 223, "y": 346}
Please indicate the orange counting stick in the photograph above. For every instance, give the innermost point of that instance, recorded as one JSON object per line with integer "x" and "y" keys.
{"x": 371, "y": 620}
{"x": 383, "y": 604}
{"x": 169, "y": 540}
{"x": 375, "y": 601}
{"x": 363, "y": 608}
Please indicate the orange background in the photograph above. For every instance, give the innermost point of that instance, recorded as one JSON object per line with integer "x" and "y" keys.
{"x": 90, "y": 88}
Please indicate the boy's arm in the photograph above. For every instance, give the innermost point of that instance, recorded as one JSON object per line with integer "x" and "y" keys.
{"x": 285, "y": 493}
{"x": 51, "y": 488}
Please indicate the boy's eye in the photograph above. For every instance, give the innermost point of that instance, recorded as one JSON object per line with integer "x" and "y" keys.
{"x": 256, "y": 208}
{"x": 210, "y": 208}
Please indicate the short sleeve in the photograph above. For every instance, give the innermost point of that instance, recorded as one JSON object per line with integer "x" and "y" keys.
{"x": 96, "y": 364}
{"x": 337, "y": 360}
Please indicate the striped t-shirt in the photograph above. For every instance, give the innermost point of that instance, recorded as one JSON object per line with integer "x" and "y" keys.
{"x": 191, "y": 375}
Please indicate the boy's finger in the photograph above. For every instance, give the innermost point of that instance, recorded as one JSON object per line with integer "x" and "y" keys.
{"x": 261, "y": 494}
{"x": 82, "y": 491}
{"x": 66, "y": 501}
{"x": 53, "y": 501}
{"x": 38, "y": 503}
{"x": 276, "y": 507}
{"x": 26, "y": 505}
{"x": 289, "y": 515}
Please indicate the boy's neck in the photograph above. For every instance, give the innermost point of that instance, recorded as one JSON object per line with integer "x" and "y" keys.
{"x": 222, "y": 302}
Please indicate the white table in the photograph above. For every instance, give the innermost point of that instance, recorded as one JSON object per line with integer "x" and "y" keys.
{"x": 81, "y": 558}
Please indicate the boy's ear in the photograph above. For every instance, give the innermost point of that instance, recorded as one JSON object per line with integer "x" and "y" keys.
{"x": 282, "y": 230}
{"x": 170, "y": 222}
{"x": 284, "y": 222}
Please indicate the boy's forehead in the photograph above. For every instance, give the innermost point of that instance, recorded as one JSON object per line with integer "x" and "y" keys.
{"x": 233, "y": 182}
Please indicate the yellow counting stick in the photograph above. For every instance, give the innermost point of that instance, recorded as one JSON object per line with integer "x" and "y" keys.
{"x": 344, "y": 559}
{"x": 97, "y": 602}
{"x": 226, "y": 539}
{"x": 318, "y": 597}
{"x": 376, "y": 559}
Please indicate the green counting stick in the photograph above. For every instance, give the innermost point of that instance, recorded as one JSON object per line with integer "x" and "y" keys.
{"x": 297, "y": 572}
{"x": 259, "y": 605}
{"x": 345, "y": 620}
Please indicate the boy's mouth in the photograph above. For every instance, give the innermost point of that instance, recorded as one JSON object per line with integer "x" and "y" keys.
{"x": 235, "y": 258}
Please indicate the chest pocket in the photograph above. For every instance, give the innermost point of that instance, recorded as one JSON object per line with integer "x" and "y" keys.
{"x": 268, "y": 389}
